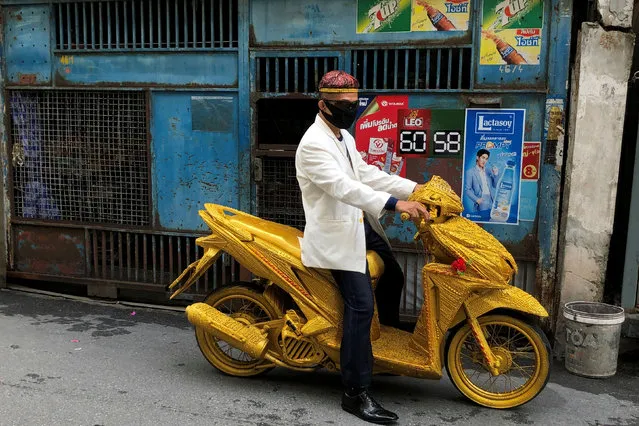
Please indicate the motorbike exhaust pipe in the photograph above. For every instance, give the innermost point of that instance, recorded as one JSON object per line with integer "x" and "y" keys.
{"x": 243, "y": 337}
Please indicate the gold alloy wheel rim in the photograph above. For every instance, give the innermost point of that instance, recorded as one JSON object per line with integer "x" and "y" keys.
{"x": 523, "y": 356}
{"x": 243, "y": 305}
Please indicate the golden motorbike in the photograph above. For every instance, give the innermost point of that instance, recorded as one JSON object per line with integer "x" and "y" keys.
{"x": 473, "y": 321}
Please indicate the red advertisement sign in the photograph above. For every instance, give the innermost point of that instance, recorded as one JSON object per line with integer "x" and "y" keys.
{"x": 529, "y": 32}
{"x": 376, "y": 133}
{"x": 531, "y": 161}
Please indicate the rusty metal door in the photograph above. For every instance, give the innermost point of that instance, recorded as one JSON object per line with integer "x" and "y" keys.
{"x": 104, "y": 143}
{"x": 294, "y": 43}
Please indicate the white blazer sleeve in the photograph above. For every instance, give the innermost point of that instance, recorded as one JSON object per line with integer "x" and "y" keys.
{"x": 370, "y": 175}
{"x": 321, "y": 168}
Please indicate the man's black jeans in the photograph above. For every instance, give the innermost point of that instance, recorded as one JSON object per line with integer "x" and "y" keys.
{"x": 356, "y": 355}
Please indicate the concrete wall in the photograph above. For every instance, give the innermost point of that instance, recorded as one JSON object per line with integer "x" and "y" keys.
{"x": 598, "y": 102}
{"x": 615, "y": 13}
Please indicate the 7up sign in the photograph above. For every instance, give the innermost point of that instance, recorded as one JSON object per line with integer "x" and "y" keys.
{"x": 382, "y": 12}
{"x": 509, "y": 9}
{"x": 383, "y": 16}
{"x": 512, "y": 14}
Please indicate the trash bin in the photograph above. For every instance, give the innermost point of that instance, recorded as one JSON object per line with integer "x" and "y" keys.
{"x": 592, "y": 338}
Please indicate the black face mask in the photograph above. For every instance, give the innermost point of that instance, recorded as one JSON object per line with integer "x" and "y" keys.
{"x": 343, "y": 113}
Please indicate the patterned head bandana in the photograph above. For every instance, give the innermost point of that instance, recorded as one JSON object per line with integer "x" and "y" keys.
{"x": 338, "y": 82}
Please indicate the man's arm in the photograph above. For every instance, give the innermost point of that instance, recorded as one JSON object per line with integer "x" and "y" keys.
{"x": 413, "y": 208}
{"x": 381, "y": 181}
{"x": 321, "y": 168}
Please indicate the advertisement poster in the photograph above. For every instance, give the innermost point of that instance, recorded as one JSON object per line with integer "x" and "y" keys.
{"x": 531, "y": 161}
{"x": 529, "y": 176}
{"x": 511, "y": 32}
{"x": 491, "y": 179}
{"x": 376, "y": 132}
{"x": 440, "y": 15}
{"x": 431, "y": 133}
{"x": 412, "y": 132}
{"x": 383, "y": 16}
{"x": 375, "y": 16}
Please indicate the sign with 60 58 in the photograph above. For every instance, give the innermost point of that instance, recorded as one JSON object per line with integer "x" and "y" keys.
{"x": 430, "y": 133}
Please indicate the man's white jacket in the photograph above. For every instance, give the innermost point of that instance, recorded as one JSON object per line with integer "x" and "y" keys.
{"x": 335, "y": 194}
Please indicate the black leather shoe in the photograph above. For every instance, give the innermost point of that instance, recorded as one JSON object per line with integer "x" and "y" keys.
{"x": 362, "y": 405}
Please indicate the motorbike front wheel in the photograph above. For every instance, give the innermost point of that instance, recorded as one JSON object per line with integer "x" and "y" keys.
{"x": 245, "y": 303}
{"x": 524, "y": 354}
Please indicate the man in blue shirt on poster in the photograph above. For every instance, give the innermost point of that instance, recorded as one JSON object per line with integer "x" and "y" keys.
{"x": 480, "y": 184}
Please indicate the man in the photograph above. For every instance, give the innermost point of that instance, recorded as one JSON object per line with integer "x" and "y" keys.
{"x": 343, "y": 199}
{"x": 480, "y": 184}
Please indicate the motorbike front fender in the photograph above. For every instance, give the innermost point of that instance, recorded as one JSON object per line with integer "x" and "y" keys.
{"x": 511, "y": 298}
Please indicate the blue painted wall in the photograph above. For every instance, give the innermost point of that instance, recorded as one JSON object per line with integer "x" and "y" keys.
{"x": 27, "y": 32}
{"x": 191, "y": 167}
{"x": 313, "y": 22}
{"x": 202, "y": 69}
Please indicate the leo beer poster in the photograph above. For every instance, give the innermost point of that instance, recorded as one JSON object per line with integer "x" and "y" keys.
{"x": 491, "y": 179}
{"x": 511, "y": 32}
{"x": 376, "y": 132}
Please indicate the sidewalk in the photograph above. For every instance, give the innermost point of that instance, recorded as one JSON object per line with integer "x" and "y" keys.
{"x": 66, "y": 362}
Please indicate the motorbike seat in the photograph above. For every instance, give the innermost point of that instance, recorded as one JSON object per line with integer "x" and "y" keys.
{"x": 281, "y": 236}
{"x": 286, "y": 238}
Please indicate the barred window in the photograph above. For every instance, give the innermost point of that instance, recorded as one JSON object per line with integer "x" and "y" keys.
{"x": 413, "y": 69}
{"x": 146, "y": 25}
{"x": 291, "y": 74}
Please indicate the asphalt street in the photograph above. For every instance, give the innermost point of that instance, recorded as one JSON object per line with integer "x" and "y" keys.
{"x": 68, "y": 362}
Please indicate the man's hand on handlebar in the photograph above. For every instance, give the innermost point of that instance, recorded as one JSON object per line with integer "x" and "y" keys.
{"x": 412, "y": 209}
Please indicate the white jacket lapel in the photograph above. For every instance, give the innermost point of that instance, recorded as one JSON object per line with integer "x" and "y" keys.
{"x": 340, "y": 147}
{"x": 352, "y": 150}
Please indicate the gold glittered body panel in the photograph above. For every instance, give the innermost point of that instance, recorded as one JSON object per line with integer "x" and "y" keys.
{"x": 486, "y": 257}
{"x": 449, "y": 236}
{"x": 308, "y": 334}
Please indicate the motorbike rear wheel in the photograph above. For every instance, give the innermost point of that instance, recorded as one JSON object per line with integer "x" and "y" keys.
{"x": 524, "y": 352}
{"x": 245, "y": 303}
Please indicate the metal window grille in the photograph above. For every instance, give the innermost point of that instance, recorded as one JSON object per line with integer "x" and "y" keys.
{"x": 413, "y": 69}
{"x": 146, "y": 25}
{"x": 80, "y": 156}
{"x": 279, "y": 196}
{"x": 153, "y": 259}
{"x": 293, "y": 74}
